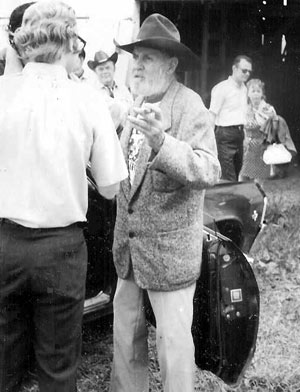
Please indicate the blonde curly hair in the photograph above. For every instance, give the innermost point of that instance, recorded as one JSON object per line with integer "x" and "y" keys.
{"x": 48, "y": 30}
{"x": 258, "y": 83}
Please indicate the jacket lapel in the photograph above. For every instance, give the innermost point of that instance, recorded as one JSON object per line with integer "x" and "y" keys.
{"x": 166, "y": 105}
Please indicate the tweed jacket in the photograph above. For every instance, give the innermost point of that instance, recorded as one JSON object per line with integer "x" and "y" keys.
{"x": 158, "y": 230}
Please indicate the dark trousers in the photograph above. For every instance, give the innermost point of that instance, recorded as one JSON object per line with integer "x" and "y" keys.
{"x": 230, "y": 150}
{"x": 42, "y": 288}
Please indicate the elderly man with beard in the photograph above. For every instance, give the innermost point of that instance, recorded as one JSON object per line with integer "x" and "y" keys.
{"x": 171, "y": 154}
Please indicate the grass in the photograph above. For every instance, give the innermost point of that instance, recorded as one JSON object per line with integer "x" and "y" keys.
{"x": 276, "y": 363}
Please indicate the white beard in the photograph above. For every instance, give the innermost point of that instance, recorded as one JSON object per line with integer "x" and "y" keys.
{"x": 148, "y": 88}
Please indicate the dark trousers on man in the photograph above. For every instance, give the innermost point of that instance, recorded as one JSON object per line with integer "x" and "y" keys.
{"x": 230, "y": 150}
{"x": 42, "y": 288}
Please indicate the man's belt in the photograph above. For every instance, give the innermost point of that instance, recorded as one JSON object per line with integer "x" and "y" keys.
{"x": 240, "y": 127}
{"x": 81, "y": 225}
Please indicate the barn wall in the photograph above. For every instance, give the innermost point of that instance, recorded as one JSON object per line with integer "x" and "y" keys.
{"x": 219, "y": 30}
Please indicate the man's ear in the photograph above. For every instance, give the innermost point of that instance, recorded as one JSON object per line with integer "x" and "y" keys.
{"x": 173, "y": 64}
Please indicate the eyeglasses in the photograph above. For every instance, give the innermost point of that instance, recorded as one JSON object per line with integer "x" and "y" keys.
{"x": 249, "y": 71}
{"x": 81, "y": 44}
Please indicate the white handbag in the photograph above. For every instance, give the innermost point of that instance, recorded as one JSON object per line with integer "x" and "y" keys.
{"x": 276, "y": 154}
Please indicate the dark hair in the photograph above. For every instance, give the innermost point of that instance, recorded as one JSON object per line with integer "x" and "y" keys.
{"x": 15, "y": 19}
{"x": 240, "y": 57}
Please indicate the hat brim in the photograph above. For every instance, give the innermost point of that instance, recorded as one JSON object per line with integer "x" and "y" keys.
{"x": 93, "y": 64}
{"x": 187, "y": 59}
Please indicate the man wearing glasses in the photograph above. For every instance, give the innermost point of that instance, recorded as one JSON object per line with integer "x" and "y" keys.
{"x": 228, "y": 108}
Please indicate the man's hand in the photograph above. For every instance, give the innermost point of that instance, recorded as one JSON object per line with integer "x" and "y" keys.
{"x": 148, "y": 120}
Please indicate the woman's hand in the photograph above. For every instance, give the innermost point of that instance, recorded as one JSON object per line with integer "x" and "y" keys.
{"x": 269, "y": 111}
{"x": 148, "y": 121}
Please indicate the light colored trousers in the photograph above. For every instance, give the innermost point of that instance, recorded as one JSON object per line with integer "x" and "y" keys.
{"x": 174, "y": 315}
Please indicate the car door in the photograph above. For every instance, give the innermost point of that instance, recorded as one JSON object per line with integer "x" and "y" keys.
{"x": 226, "y": 310}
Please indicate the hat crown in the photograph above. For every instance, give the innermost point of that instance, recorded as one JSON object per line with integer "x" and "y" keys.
{"x": 158, "y": 32}
{"x": 158, "y": 26}
{"x": 101, "y": 56}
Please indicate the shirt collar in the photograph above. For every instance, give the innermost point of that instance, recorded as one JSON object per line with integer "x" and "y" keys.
{"x": 44, "y": 69}
{"x": 105, "y": 87}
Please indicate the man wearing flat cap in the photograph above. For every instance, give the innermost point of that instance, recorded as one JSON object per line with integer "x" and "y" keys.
{"x": 116, "y": 95}
{"x": 171, "y": 153}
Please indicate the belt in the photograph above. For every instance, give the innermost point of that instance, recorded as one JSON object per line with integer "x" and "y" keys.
{"x": 240, "y": 127}
{"x": 81, "y": 225}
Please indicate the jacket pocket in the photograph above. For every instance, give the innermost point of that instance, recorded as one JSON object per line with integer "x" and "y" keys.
{"x": 180, "y": 252}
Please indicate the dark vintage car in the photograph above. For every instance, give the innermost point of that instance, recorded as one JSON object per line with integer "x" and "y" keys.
{"x": 226, "y": 302}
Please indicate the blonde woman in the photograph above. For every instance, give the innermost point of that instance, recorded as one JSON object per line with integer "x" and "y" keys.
{"x": 258, "y": 112}
{"x": 51, "y": 127}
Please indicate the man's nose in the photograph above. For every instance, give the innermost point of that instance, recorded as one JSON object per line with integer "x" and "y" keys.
{"x": 138, "y": 64}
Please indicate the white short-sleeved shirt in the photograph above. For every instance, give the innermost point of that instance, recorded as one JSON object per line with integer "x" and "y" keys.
{"x": 119, "y": 91}
{"x": 229, "y": 103}
{"x": 50, "y": 129}
{"x": 121, "y": 96}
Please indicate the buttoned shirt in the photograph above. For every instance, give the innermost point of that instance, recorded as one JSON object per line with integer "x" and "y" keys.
{"x": 229, "y": 103}
{"x": 117, "y": 91}
{"x": 120, "y": 94}
{"x": 50, "y": 129}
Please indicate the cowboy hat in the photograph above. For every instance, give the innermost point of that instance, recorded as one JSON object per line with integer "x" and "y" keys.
{"x": 158, "y": 32}
{"x": 100, "y": 58}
